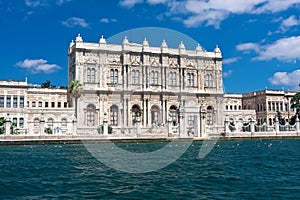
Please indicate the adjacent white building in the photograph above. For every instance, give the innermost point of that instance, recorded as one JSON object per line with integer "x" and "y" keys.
{"x": 32, "y": 109}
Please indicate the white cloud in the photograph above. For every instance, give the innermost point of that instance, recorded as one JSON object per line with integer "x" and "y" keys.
{"x": 289, "y": 22}
{"x": 60, "y": 2}
{"x": 153, "y": 2}
{"x": 38, "y": 66}
{"x": 75, "y": 21}
{"x": 291, "y": 79}
{"x": 248, "y": 47}
{"x": 107, "y": 20}
{"x": 130, "y": 3}
{"x": 34, "y": 3}
{"x": 286, "y": 49}
{"x": 213, "y": 12}
{"x": 228, "y": 73}
{"x": 230, "y": 60}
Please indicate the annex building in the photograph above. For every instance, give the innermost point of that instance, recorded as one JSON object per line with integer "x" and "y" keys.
{"x": 32, "y": 110}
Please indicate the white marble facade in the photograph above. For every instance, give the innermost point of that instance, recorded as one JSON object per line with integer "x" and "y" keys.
{"x": 129, "y": 79}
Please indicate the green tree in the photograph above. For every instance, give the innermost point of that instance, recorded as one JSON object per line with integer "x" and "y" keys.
{"x": 2, "y": 125}
{"x": 296, "y": 106}
{"x": 281, "y": 120}
{"x": 75, "y": 90}
{"x": 46, "y": 84}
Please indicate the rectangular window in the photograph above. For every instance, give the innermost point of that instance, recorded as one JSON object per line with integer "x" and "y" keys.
{"x": 21, "y": 102}
{"x": 1, "y": 101}
{"x": 52, "y": 104}
{"x": 154, "y": 78}
{"x": 93, "y": 75}
{"x": 15, "y": 102}
{"x": 8, "y": 102}
{"x": 191, "y": 120}
{"x": 15, "y": 121}
{"x": 173, "y": 78}
{"x": 33, "y": 104}
{"x": 88, "y": 76}
{"x": 65, "y": 104}
{"x": 21, "y": 122}
{"x": 59, "y": 104}
{"x": 40, "y": 104}
{"x": 46, "y": 104}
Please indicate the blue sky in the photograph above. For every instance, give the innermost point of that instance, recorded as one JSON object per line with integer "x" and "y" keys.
{"x": 259, "y": 39}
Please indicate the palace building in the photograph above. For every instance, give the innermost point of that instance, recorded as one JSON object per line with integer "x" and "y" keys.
{"x": 129, "y": 82}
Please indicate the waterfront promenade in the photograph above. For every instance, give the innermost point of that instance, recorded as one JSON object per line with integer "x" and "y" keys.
{"x": 65, "y": 139}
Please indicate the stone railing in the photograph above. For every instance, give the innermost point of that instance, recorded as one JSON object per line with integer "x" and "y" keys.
{"x": 251, "y": 129}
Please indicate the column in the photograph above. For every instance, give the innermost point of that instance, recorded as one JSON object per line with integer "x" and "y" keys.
{"x": 252, "y": 128}
{"x": 163, "y": 111}
{"x": 276, "y": 125}
{"x": 7, "y": 125}
{"x": 42, "y": 125}
{"x": 144, "y": 112}
{"x": 227, "y": 130}
{"x": 182, "y": 122}
{"x": 124, "y": 112}
{"x": 297, "y": 123}
{"x": 74, "y": 123}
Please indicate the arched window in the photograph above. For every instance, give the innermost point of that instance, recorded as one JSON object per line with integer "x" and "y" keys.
{"x": 90, "y": 115}
{"x": 36, "y": 122}
{"x": 64, "y": 123}
{"x": 114, "y": 76}
{"x": 173, "y": 114}
{"x": 114, "y": 115}
{"x": 88, "y": 75}
{"x": 209, "y": 115}
{"x": 135, "y": 77}
{"x": 50, "y": 123}
{"x": 154, "y": 114}
{"x": 270, "y": 121}
{"x": 135, "y": 112}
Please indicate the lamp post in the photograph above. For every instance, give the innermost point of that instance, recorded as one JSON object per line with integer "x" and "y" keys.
{"x": 138, "y": 121}
{"x": 105, "y": 125}
{"x": 170, "y": 125}
{"x": 202, "y": 118}
{"x": 74, "y": 123}
{"x": 181, "y": 121}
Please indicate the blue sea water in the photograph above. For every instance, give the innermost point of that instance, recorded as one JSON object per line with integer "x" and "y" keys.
{"x": 256, "y": 169}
